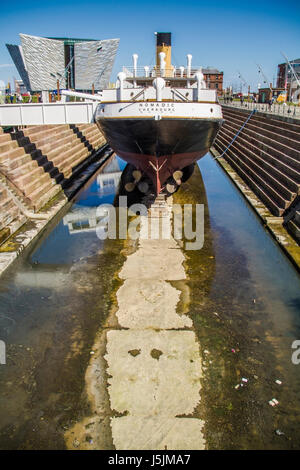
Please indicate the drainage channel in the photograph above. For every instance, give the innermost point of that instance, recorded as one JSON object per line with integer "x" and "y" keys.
{"x": 97, "y": 358}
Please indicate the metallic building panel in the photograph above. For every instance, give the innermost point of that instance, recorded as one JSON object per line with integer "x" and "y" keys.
{"x": 44, "y": 61}
{"x": 16, "y": 55}
{"x": 94, "y": 62}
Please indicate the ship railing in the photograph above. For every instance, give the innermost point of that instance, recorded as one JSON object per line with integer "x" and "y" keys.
{"x": 167, "y": 72}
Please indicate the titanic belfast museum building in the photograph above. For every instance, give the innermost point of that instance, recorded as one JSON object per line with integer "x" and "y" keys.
{"x": 79, "y": 64}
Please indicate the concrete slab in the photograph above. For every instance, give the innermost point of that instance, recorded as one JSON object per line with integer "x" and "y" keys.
{"x": 153, "y": 373}
{"x": 147, "y": 304}
{"x": 157, "y": 433}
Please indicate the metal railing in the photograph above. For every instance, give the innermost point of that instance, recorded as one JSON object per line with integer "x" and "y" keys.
{"x": 153, "y": 72}
{"x": 47, "y": 113}
{"x": 275, "y": 109}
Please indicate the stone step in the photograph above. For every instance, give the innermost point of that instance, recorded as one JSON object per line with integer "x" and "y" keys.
{"x": 50, "y": 139}
{"x": 4, "y": 201}
{"x": 11, "y": 213}
{"x": 11, "y": 155}
{"x": 61, "y": 156}
{"x": 256, "y": 174}
{"x": 263, "y": 132}
{"x": 274, "y": 200}
{"x": 18, "y": 162}
{"x": 43, "y": 195}
{"x": 43, "y": 179}
{"x": 65, "y": 141}
{"x": 266, "y": 199}
{"x": 23, "y": 169}
{"x": 275, "y": 135}
{"x": 73, "y": 161}
{"x": 279, "y": 126}
{"x": 294, "y": 229}
{"x": 3, "y": 192}
{"x": 8, "y": 145}
{"x": 91, "y": 132}
{"x": 268, "y": 155}
{"x": 33, "y": 132}
{"x": 254, "y": 153}
{"x": 83, "y": 127}
{"x": 38, "y": 192}
{"x": 268, "y": 145}
{"x": 95, "y": 141}
{"x": 24, "y": 181}
{"x": 5, "y": 138}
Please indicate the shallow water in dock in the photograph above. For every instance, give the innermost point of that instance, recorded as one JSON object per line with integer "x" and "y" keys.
{"x": 244, "y": 303}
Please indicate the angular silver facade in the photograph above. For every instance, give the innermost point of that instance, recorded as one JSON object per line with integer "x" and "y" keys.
{"x": 94, "y": 62}
{"x": 45, "y": 62}
{"x": 16, "y": 55}
{"x": 42, "y": 61}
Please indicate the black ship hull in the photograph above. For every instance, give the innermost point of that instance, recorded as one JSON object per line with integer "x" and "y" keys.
{"x": 158, "y": 148}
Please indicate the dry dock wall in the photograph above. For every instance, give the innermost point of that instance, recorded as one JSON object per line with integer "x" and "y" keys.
{"x": 36, "y": 163}
{"x": 266, "y": 155}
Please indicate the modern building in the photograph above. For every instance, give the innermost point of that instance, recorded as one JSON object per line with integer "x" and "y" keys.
{"x": 80, "y": 64}
{"x": 285, "y": 77}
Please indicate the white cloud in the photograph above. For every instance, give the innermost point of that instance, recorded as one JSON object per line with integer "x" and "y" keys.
{"x": 6, "y": 65}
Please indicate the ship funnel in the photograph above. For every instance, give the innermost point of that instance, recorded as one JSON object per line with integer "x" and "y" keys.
{"x": 135, "y": 59}
{"x": 181, "y": 71}
{"x": 163, "y": 44}
{"x": 146, "y": 68}
{"x": 189, "y": 64}
{"x": 159, "y": 85}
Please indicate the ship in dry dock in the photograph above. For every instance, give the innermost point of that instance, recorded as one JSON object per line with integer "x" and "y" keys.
{"x": 160, "y": 120}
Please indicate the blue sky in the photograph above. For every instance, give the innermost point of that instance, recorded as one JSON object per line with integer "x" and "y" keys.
{"x": 232, "y": 36}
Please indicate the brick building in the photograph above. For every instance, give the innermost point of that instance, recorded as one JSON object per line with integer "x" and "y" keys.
{"x": 213, "y": 79}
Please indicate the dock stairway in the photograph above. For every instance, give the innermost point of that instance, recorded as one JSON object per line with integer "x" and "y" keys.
{"x": 36, "y": 163}
{"x": 266, "y": 154}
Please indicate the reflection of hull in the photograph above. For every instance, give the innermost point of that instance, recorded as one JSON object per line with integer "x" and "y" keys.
{"x": 160, "y": 147}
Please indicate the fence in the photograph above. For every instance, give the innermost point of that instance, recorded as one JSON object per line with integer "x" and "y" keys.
{"x": 275, "y": 109}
